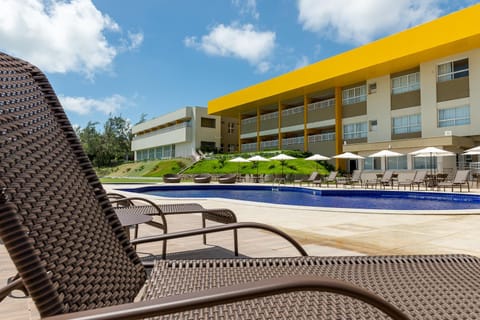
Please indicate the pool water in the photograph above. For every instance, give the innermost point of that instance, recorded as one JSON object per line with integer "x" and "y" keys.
{"x": 333, "y": 198}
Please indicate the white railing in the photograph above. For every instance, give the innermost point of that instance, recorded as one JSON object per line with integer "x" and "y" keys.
{"x": 269, "y": 116}
{"x": 292, "y": 111}
{"x": 249, "y": 147}
{"x": 321, "y": 104}
{"x": 163, "y": 130}
{"x": 329, "y": 136}
{"x": 249, "y": 121}
{"x": 294, "y": 140}
{"x": 269, "y": 144}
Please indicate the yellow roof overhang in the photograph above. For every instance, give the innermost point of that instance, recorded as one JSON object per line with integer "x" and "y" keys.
{"x": 442, "y": 37}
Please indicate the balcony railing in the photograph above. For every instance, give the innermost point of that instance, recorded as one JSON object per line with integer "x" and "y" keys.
{"x": 294, "y": 140}
{"x": 249, "y": 147}
{"x": 292, "y": 111}
{"x": 268, "y": 116}
{"x": 164, "y": 130}
{"x": 329, "y": 136}
{"x": 248, "y": 121}
{"x": 269, "y": 144}
{"x": 321, "y": 104}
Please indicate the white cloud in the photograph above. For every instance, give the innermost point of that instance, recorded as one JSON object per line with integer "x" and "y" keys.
{"x": 302, "y": 62}
{"x": 359, "y": 22}
{"x": 242, "y": 42}
{"x": 247, "y": 7}
{"x": 83, "y": 106}
{"x": 60, "y": 36}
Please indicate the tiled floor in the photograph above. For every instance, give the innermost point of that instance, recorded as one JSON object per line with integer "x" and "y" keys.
{"x": 322, "y": 232}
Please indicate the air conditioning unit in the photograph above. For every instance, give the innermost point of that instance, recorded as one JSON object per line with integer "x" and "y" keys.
{"x": 447, "y": 133}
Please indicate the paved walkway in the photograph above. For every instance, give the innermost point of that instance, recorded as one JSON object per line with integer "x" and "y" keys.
{"x": 322, "y": 232}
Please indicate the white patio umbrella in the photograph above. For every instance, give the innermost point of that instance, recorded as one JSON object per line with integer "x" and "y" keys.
{"x": 349, "y": 156}
{"x": 257, "y": 159}
{"x": 282, "y": 158}
{"x": 385, "y": 154}
{"x": 431, "y": 152}
{"x": 238, "y": 160}
{"x": 474, "y": 149}
{"x": 317, "y": 157}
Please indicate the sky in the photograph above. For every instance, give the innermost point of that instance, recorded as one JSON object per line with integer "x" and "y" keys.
{"x": 128, "y": 58}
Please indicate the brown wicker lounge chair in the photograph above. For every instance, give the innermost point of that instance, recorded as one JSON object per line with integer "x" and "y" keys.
{"x": 172, "y": 178}
{"x": 227, "y": 178}
{"x": 74, "y": 259}
{"x": 331, "y": 178}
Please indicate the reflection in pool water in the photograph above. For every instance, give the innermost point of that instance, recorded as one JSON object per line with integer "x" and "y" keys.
{"x": 333, "y": 198}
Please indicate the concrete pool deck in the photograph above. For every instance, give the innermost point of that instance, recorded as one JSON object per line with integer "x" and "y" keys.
{"x": 322, "y": 232}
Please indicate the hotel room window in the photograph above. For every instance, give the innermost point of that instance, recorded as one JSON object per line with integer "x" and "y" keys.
{"x": 355, "y": 131}
{"x": 406, "y": 83}
{"x": 452, "y": 70}
{"x": 354, "y": 95}
{"x": 208, "y": 123}
{"x": 451, "y": 117}
{"x": 407, "y": 124}
{"x": 231, "y": 128}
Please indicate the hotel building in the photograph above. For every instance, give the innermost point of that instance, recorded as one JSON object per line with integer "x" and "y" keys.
{"x": 417, "y": 88}
{"x": 183, "y": 134}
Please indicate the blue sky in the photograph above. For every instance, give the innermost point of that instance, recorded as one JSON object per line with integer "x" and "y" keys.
{"x": 126, "y": 57}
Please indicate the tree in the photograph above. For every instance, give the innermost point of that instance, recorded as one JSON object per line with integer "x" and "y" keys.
{"x": 110, "y": 147}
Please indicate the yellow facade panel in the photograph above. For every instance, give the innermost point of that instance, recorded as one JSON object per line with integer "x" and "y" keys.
{"x": 442, "y": 37}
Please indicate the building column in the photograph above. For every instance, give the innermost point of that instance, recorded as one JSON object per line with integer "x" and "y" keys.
{"x": 339, "y": 163}
{"x": 280, "y": 108}
{"x": 258, "y": 129}
{"x": 239, "y": 149}
{"x": 306, "y": 101}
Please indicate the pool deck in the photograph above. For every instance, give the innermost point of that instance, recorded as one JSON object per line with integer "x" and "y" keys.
{"x": 322, "y": 232}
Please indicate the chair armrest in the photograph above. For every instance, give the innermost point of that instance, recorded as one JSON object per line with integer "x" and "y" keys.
{"x": 16, "y": 284}
{"x": 225, "y": 227}
{"x": 240, "y": 292}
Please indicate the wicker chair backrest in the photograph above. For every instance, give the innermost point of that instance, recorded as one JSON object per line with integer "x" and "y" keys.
{"x": 55, "y": 219}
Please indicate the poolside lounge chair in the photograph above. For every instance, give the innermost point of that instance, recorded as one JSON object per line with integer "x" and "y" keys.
{"x": 461, "y": 178}
{"x": 385, "y": 180}
{"x": 356, "y": 178}
{"x": 369, "y": 178}
{"x": 74, "y": 259}
{"x": 313, "y": 176}
{"x": 172, "y": 178}
{"x": 227, "y": 178}
{"x": 420, "y": 178}
{"x": 331, "y": 178}
{"x": 405, "y": 179}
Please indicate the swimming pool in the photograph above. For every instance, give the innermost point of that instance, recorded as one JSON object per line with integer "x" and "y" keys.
{"x": 333, "y": 198}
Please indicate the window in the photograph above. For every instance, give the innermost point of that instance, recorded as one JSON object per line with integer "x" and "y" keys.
{"x": 207, "y": 146}
{"x": 355, "y": 131}
{"x": 424, "y": 163}
{"x": 397, "y": 162}
{"x": 454, "y": 116}
{"x": 232, "y": 147}
{"x": 208, "y": 122}
{"x": 372, "y": 88}
{"x": 406, "y": 83}
{"x": 373, "y": 125}
{"x": 407, "y": 124}
{"x": 354, "y": 95}
{"x": 452, "y": 70}
{"x": 231, "y": 127}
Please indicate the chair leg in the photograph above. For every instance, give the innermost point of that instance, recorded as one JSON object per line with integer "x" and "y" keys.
{"x": 235, "y": 242}
{"x": 204, "y": 225}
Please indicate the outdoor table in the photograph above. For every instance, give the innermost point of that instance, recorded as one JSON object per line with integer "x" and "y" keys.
{"x": 129, "y": 219}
